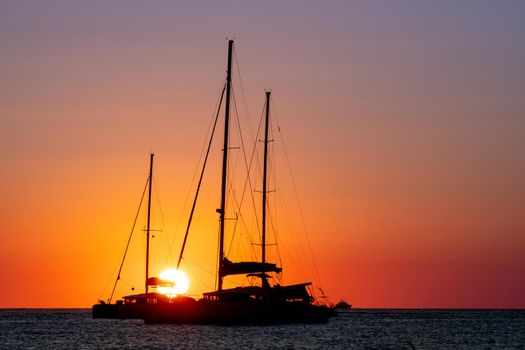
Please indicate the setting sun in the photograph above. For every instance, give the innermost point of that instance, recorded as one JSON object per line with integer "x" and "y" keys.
{"x": 180, "y": 281}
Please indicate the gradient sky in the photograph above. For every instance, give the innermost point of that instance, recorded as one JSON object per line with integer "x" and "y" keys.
{"x": 404, "y": 121}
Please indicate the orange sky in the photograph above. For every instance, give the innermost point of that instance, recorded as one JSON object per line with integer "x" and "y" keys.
{"x": 404, "y": 124}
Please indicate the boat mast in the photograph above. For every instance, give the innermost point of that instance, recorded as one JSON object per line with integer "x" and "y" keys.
{"x": 149, "y": 216}
{"x": 222, "y": 210}
{"x": 264, "y": 190}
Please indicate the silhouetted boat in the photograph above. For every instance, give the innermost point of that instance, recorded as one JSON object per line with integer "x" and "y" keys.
{"x": 343, "y": 305}
{"x": 264, "y": 304}
{"x": 133, "y": 306}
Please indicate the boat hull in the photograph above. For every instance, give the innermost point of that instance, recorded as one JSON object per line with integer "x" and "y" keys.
{"x": 119, "y": 311}
{"x": 236, "y": 313}
{"x": 132, "y": 307}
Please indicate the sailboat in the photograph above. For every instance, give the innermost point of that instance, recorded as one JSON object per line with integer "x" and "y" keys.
{"x": 133, "y": 306}
{"x": 259, "y": 304}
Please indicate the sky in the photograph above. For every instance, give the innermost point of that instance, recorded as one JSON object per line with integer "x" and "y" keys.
{"x": 403, "y": 122}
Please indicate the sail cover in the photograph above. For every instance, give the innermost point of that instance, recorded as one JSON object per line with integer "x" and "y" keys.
{"x": 155, "y": 281}
{"x": 246, "y": 267}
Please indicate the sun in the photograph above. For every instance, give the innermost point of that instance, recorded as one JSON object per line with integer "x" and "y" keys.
{"x": 180, "y": 280}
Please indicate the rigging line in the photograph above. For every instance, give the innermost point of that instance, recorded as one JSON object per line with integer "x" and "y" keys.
{"x": 243, "y": 95}
{"x": 130, "y": 284}
{"x": 191, "y": 262}
{"x": 273, "y": 224}
{"x": 195, "y": 275}
{"x": 241, "y": 217}
{"x": 295, "y": 242}
{"x": 217, "y": 106}
{"x": 250, "y": 129}
{"x": 274, "y": 220}
{"x": 200, "y": 181}
{"x": 298, "y": 201}
{"x": 287, "y": 217}
{"x": 129, "y": 240}
{"x": 247, "y": 181}
{"x": 237, "y": 203}
{"x": 245, "y": 187}
{"x": 218, "y": 257}
{"x": 258, "y": 170}
{"x": 199, "y": 280}
{"x": 164, "y": 229}
{"x": 233, "y": 164}
{"x": 249, "y": 167}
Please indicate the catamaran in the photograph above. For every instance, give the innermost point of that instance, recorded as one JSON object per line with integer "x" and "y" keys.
{"x": 262, "y": 303}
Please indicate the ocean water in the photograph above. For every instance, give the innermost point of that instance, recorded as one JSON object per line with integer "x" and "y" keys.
{"x": 353, "y": 329}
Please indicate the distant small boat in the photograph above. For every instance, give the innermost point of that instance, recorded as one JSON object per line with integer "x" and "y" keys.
{"x": 343, "y": 305}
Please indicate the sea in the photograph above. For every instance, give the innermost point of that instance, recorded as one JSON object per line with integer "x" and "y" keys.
{"x": 351, "y": 329}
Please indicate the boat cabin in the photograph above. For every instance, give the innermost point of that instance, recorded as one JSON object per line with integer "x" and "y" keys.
{"x": 295, "y": 293}
{"x": 146, "y": 298}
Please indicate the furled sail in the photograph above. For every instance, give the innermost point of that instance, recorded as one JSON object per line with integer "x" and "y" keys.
{"x": 246, "y": 267}
{"x": 156, "y": 281}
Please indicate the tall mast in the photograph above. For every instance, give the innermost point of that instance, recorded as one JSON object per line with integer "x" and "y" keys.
{"x": 149, "y": 217}
{"x": 264, "y": 190}
{"x": 222, "y": 210}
